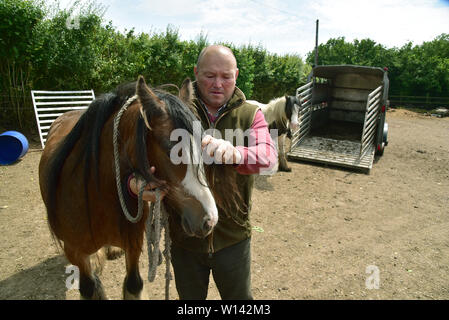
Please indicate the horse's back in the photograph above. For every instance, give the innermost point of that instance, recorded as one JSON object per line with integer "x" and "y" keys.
{"x": 257, "y": 103}
{"x": 59, "y": 129}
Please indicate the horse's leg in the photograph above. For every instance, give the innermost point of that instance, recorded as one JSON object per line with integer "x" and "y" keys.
{"x": 133, "y": 284}
{"x": 113, "y": 253}
{"x": 283, "y": 166}
{"x": 97, "y": 261}
{"x": 90, "y": 286}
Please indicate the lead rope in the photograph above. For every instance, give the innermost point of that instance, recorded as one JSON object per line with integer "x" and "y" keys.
{"x": 158, "y": 220}
{"x": 117, "y": 167}
{"x": 155, "y": 221}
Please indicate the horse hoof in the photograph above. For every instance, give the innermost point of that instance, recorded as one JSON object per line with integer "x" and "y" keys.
{"x": 98, "y": 291}
{"x": 96, "y": 296}
{"x": 113, "y": 253}
{"x": 286, "y": 169}
{"x": 142, "y": 295}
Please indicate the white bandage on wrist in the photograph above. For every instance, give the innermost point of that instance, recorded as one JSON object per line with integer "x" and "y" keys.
{"x": 222, "y": 151}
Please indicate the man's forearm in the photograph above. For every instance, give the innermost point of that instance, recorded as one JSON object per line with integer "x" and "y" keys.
{"x": 261, "y": 152}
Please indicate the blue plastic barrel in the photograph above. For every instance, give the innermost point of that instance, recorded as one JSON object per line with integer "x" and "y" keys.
{"x": 13, "y": 146}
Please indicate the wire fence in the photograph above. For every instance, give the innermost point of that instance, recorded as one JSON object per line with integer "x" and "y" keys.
{"x": 424, "y": 102}
{"x": 17, "y": 113}
{"x": 5, "y": 101}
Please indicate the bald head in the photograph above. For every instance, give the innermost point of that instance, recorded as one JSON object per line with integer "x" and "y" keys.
{"x": 217, "y": 50}
{"x": 216, "y": 74}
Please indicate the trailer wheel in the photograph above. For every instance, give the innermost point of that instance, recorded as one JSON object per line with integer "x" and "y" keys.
{"x": 381, "y": 147}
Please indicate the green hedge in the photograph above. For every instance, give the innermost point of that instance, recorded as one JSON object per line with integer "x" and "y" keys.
{"x": 45, "y": 49}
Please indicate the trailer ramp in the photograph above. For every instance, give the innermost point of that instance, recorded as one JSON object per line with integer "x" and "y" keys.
{"x": 333, "y": 152}
{"x": 342, "y": 121}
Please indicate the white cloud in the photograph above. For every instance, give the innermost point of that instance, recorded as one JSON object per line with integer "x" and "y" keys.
{"x": 233, "y": 21}
{"x": 166, "y": 7}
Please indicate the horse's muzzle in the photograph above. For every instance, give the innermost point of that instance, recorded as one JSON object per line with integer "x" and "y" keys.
{"x": 196, "y": 226}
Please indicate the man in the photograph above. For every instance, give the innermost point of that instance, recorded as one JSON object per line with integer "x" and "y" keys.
{"x": 226, "y": 252}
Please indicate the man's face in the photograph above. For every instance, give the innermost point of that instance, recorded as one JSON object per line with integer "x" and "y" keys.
{"x": 216, "y": 76}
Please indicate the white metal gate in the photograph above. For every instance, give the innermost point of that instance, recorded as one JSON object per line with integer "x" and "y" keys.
{"x": 48, "y": 105}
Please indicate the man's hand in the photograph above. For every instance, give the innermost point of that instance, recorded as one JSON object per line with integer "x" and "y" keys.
{"x": 149, "y": 194}
{"x": 221, "y": 150}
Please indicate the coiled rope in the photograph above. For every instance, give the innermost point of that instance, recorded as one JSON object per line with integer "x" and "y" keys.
{"x": 117, "y": 166}
{"x": 155, "y": 221}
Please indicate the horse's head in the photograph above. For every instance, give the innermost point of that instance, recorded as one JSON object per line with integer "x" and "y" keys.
{"x": 292, "y": 111}
{"x": 172, "y": 148}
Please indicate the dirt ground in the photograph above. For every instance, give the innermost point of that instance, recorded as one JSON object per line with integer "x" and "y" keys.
{"x": 320, "y": 232}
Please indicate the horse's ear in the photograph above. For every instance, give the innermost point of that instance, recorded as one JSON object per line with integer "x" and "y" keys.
{"x": 152, "y": 106}
{"x": 186, "y": 92}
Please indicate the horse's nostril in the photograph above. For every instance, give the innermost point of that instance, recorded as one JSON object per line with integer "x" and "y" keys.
{"x": 208, "y": 224}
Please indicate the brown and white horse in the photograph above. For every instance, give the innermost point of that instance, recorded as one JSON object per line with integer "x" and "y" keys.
{"x": 281, "y": 114}
{"x": 78, "y": 183}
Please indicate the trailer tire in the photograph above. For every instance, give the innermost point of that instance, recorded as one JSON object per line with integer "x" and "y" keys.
{"x": 381, "y": 147}
{"x": 385, "y": 134}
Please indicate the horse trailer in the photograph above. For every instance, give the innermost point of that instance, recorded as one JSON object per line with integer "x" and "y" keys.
{"x": 342, "y": 117}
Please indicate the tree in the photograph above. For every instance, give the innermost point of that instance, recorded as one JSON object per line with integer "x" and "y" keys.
{"x": 18, "y": 20}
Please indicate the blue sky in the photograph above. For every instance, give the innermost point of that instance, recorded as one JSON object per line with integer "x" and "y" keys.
{"x": 284, "y": 26}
